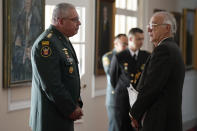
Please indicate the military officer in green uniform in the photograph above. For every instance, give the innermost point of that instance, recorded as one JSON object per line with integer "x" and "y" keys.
{"x": 55, "y": 100}
{"x": 120, "y": 44}
{"x": 126, "y": 68}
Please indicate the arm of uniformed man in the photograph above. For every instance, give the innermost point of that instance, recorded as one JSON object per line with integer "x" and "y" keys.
{"x": 114, "y": 71}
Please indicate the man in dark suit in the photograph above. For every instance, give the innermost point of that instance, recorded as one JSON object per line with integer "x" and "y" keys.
{"x": 120, "y": 44}
{"x": 158, "y": 105}
{"x": 56, "y": 101}
{"x": 126, "y": 68}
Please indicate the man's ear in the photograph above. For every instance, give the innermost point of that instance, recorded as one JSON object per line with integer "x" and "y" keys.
{"x": 60, "y": 21}
{"x": 168, "y": 27}
{"x": 130, "y": 38}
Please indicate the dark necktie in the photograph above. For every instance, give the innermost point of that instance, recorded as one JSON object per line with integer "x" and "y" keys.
{"x": 134, "y": 57}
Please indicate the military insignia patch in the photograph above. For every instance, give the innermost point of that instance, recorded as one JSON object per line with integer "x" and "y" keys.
{"x": 45, "y": 43}
{"x": 46, "y": 51}
{"x": 106, "y": 61}
{"x": 126, "y": 66}
{"x": 142, "y": 67}
{"x": 49, "y": 35}
{"x": 137, "y": 75}
{"x": 70, "y": 60}
{"x": 71, "y": 70}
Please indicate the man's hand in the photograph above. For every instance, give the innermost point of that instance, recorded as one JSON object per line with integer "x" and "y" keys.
{"x": 134, "y": 123}
{"x": 77, "y": 114}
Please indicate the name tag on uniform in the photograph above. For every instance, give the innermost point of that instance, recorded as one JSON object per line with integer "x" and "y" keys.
{"x": 132, "y": 95}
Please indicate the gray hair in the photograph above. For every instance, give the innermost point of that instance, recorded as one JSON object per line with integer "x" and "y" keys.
{"x": 168, "y": 19}
{"x": 61, "y": 10}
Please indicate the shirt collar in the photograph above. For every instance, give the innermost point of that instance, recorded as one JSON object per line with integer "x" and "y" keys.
{"x": 163, "y": 40}
{"x": 132, "y": 52}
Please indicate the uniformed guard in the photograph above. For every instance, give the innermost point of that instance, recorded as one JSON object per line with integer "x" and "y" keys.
{"x": 126, "y": 68}
{"x": 120, "y": 44}
{"x": 56, "y": 101}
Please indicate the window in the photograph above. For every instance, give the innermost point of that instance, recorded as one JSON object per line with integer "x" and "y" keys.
{"x": 126, "y": 15}
{"x": 78, "y": 40}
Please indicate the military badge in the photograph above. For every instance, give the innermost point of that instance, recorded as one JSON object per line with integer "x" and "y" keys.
{"x": 137, "y": 75}
{"x": 142, "y": 67}
{"x": 49, "y": 35}
{"x": 126, "y": 66}
{"x": 132, "y": 75}
{"x": 46, "y": 51}
{"x": 65, "y": 51}
{"x": 106, "y": 61}
{"x": 45, "y": 43}
{"x": 70, "y": 60}
{"x": 71, "y": 70}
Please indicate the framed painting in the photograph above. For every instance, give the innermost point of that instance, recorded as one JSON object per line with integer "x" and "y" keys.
{"x": 23, "y": 23}
{"x": 105, "y": 17}
{"x": 195, "y": 41}
{"x": 177, "y": 36}
{"x": 189, "y": 24}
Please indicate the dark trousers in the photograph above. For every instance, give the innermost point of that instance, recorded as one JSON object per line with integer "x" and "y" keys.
{"x": 122, "y": 110}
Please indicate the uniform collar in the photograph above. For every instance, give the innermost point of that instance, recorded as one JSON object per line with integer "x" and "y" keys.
{"x": 56, "y": 31}
{"x": 132, "y": 52}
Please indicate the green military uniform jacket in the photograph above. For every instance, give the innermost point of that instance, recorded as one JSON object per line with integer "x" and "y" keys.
{"x": 106, "y": 60}
{"x": 55, "y": 82}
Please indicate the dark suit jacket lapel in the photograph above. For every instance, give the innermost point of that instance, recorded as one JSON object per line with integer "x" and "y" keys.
{"x": 168, "y": 39}
{"x": 129, "y": 57}
{"x": 144, "y": 72}
{"x": 139, "y": 57}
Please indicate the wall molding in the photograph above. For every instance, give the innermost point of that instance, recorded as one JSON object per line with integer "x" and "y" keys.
{"x": 189, "y": 124}
{"x": 101, "y": 92}
{"x": 96, "y": 92}
{"x": 17, "y": 105}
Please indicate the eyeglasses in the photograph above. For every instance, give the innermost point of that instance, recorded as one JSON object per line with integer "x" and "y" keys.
{"x": 75, "y": 19}
{"x": 150, "y": 26}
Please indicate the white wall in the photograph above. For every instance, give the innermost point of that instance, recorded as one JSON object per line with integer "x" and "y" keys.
{"x": 189, "y": 96}
{"x": 191, "y": 4}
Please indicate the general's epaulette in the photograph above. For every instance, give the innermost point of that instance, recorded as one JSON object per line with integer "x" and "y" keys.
{"x": 108, "y": 53}
{"x": 50, "y": 35}
{"x": 106, "y": 61}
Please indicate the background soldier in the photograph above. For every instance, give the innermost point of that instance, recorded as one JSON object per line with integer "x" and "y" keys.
{"x": 120, "y": 44}
{"x": 126, "y": 68}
